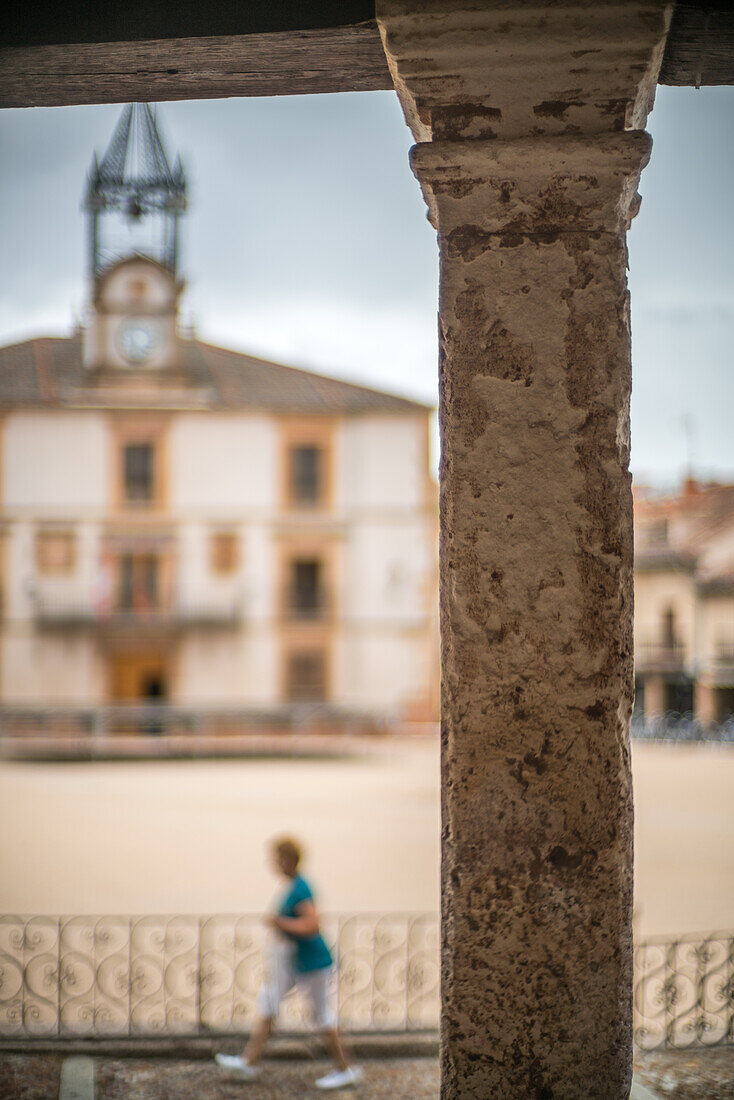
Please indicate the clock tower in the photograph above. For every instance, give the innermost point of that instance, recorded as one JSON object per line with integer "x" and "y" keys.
{"x": 134, "y": 200}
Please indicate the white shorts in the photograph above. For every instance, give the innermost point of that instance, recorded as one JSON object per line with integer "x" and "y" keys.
{"x": 283, "y": 977}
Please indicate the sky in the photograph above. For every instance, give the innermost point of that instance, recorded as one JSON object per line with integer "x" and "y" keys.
{"x": 306, "y": 242}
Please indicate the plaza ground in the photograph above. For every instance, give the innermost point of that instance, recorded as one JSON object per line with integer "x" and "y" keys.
{"x": 189, "y": 836}
{"x": 698, "y": 1075}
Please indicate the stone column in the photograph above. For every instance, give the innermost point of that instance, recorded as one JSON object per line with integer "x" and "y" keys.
{"x": 530, "y": 179}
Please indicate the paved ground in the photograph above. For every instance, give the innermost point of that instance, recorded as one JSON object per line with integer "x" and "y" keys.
{"x": 694, "y": 1075}
{"x": 189, "y": 836}
{"x": 413, "y": 1078}
{"x": 699, "y": 1075}
{"x": 28, "y": 1077}
{"x": 177, "y": 836}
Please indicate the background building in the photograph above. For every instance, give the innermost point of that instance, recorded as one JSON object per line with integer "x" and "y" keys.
{"x": 684, "y": 601}
{"x": 185, "y": 523}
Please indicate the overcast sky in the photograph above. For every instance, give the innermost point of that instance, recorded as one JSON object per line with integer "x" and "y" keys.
{"x": 307, "y": 242}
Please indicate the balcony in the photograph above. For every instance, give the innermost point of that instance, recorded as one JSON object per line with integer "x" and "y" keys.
{"x": 307, "y": 612}
{"x": 57, "y": 612}
{"x": 306, "y": 605}
{"x": 721, "y": 669}
{"x": 659, "y": 657}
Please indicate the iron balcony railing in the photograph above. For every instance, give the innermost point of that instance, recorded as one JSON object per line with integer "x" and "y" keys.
{"x": 162, "y": 730}
{"x": 659, "y": 656}
{"x": 54, "y": 612}
{"x": 299, "y": 605}
{"x": 721, "y": 669}
{"x": 192, "y": 976}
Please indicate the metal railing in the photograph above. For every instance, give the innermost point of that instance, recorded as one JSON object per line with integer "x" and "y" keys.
{"x": 124, "y": 977}
{"x": 665, "y": 656}
{"x": 673, "y": 726}
{"x": 57, "y": 612}
{"x": 307, "y": 605}
{"x": 684, "y": 992}
{"x": 188, "y": 976}
{"x": 161, "y": 729}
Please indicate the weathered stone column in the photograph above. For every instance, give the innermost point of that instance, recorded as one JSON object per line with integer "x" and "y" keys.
{"x": 530, "y": 178}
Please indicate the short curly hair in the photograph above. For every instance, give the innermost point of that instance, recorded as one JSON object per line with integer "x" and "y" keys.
{"x": 288, "y": 848}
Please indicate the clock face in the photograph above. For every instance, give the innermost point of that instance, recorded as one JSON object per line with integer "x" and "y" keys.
{"x": 137, "y": 340}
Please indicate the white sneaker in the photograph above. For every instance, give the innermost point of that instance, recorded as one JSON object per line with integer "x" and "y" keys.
{"x": 340, "y": 1079}
{"x": 236, "y": 1066}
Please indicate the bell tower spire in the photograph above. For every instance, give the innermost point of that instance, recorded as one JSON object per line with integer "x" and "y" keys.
{"x": 134, "y": 199}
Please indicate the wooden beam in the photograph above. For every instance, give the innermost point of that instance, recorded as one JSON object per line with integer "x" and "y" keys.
{"x": 333, "y": 59}
{"x": 39, "y": 66}
{"x": 700, "y": 46}
{"x": 66, "y": 22}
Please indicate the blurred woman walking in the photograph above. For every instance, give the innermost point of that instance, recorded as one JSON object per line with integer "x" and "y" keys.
{"x": 300, "y": 958}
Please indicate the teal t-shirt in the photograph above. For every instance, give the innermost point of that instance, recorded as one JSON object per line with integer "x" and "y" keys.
{"x": 311, "y": 951}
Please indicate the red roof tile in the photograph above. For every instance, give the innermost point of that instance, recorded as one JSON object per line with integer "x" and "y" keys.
{"x": 49, "y": 372}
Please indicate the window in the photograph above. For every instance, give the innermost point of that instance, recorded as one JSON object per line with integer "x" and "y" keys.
{"x": 223, "y": 552}
{"x": 139, "y": 444}
{"x": 55, "y": 551}
{"x": 139, "y": 472}
{"x": 306, "y": 475}
{"x": 668, "y": 628}
{"x": 306, "y": 676}
{"x": 657, "y": 533}
{"x": 306, "y": 596}
{"x": 138, "y": 579}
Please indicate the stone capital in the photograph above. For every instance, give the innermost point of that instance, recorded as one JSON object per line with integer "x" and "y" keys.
{"x": 533, "y": 187}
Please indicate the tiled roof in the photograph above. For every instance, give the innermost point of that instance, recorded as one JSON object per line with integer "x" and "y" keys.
{"x": 692, "y": 528}
{"x": 707, "y": 502}
{"x": 48, "y": 372}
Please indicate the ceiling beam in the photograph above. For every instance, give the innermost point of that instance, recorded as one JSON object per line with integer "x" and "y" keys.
{"x": 700, "y": 46}
{"x": 66, "y": 22}
{"x": 55, "y": 54}
{"x": 331, "y": 59}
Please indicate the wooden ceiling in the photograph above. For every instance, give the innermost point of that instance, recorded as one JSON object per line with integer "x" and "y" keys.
{"x": 700, "y": 46}
{"x": 63, "y": 53}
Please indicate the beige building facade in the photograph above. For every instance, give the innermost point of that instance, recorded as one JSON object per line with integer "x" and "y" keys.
{"x": 684, "y": 602}
{"x": 187, "y": 524}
